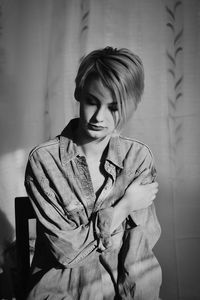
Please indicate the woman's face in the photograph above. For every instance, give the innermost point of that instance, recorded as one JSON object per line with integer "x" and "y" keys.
{"x": 98, "y": 111}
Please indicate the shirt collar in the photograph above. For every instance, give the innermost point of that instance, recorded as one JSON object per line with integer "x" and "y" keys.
{"x": 115, "y": 154}
{"x": 69, "y": 149}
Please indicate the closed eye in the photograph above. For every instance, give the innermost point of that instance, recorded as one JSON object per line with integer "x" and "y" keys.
{"x": 91, "y": 101}
{"x": 113, "y": 107}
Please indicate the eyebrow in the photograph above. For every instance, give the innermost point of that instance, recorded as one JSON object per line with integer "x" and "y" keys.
{"x": 91, "y": 95}
{"x": 97, "y": 99}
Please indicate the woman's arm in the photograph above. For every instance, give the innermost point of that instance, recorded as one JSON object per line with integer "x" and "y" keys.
{"x": 137, "y": 196}
{"x": 135, "y": 202}
{"x": 68, "y": 242}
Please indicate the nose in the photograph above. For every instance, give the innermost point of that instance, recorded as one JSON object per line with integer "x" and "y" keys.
{"x": 99, "y": 115}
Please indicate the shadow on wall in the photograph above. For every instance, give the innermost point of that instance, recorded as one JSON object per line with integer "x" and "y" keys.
{"x": 7, "y": 232}
{"x": 12, "y": 177}
{"x": 7, "y": 258}
{"x": 12, "y": 164}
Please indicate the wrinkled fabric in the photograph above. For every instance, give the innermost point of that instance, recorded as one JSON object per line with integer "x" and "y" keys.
{"x": 73, "y": 224}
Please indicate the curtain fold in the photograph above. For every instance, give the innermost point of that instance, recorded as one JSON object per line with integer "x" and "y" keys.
{"x": 41, "y": 45}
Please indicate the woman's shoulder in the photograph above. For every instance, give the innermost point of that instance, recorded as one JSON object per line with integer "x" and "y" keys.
{"x": 137, "y": 156}
{"x": 134, "y": 145}
{"x": 50, "y": 145}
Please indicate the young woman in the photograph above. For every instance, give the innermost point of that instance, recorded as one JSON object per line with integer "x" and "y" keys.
{"x": 93, "y": 190}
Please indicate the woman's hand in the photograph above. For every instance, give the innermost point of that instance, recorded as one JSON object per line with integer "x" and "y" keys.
{"x": 138, "y": 195}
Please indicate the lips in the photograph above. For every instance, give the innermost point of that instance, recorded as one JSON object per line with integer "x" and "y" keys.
{"x": 95, "y": 127}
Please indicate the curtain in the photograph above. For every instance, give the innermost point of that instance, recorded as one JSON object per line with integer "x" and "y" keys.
{"x": 41, "y": 44}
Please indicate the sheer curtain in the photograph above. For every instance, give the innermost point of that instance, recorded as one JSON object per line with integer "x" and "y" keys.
{"x": 41, "y": 43}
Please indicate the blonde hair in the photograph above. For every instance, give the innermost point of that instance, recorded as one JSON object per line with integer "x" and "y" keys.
{"x": 120, "y": 70}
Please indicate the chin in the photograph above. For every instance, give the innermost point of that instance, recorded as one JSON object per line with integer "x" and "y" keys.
{"x": 97, "y": 135}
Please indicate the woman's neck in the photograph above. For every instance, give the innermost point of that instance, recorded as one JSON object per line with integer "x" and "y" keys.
{"x": 94, "y": 148}
{"x": 91, "y": 148}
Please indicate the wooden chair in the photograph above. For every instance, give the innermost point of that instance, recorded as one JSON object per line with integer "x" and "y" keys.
{"x": 23, "y": 213}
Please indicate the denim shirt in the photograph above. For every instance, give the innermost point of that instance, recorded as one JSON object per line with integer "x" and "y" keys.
{"x": 73, "y": 222}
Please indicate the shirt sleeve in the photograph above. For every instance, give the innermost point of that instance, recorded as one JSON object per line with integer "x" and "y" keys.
{"x": 68, "y": 243}
{"x": 140, "y": 263}
{"x": 146, "y": 219}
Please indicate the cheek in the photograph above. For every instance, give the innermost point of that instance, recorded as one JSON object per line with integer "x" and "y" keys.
{"x": 111, "y": 119}
{"x": 85, "y": 112}
{"x": 108, "y": 116}
{"x": 115, "y": 118}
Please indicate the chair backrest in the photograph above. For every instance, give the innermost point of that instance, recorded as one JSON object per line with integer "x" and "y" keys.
{"x": 23, "y": 213}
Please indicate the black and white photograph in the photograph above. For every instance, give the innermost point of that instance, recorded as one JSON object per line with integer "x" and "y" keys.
{"x": 100, "y": 150}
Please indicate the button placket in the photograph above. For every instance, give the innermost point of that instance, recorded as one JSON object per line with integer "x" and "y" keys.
{"x": 86, "y": 181}
{"x": 106, "y": 190}
{"x": 110, "y": 169}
